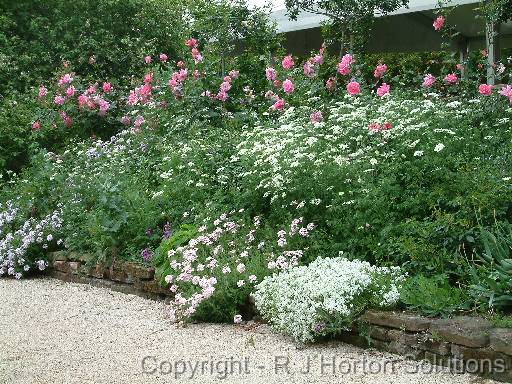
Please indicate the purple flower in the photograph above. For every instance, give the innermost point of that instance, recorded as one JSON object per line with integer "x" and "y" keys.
{"x": 146, "y": 254}
{"x": 167, "y": 231}
{"x": 149, "y": 232}
{"x": 319, "y": 327}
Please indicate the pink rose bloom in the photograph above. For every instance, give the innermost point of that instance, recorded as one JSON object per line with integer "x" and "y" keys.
{"x": 278, "y": 105}
{"x": 438, "y": 23}
{"x": 222, "y": 95}
{"x": 234, "y": 74}
{"x": 318, "y": 59}
{"x": 316, "y": 117}
{"x": 59, "y": 100}
{"x": 82, "y": 100}
{"x": 91, "y": 90}
{"x": 507, "y": 92}
{"x": 227, "y": 79}
{"x": 191, "y": 43}
{"x": 288, "y": 62}
{"x": 309, "y": 70}
{"x": 180, "y": 64}
{"x": 66, "y": 79}
{"x": 125, "y": 120}
{"x": 271, "y": 74}
{"x": 225, "y": 86}
{"x": 36, "y": 125}
{"x": 277, "y": 83}
{"x": 163, "y": 57}
{"x": 107, "y": 87}
{"x": 383, "y": 90}
{"x": 374, "y": 127}
{"x": 139, "y": 120}
{"x": 380, "y": 70}
{"x": 148, "y": 77}
{"x": 104, "y": 107}
{"x": 428, "y": 81}
{"x": 329, "y": 83}
{"x": 70, "y": 91}
{"x": 485, "y": 89}
{"x": 42, "y": 91}
{"x": 451, "y": 78}
{"x": 344, "y": 64}
{"x": 387, "y": 126}
{"x": 353, "y": 88}
{"x": 288, "y": 86}
{"x": 147, "y": 59}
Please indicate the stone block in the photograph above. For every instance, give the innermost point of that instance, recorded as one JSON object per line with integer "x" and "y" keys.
{"x": 464, "y": 330}
{"x": 139, "y": 271}
{"x": 501, "y": 340}
{"x": 61, "y": 266}
{"x": 397, "y": 320}
{"x": 74, "y": 267}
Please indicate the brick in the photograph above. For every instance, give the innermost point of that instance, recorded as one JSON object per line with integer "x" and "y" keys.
{"x": 467, "y": 331}
{"x": 397, "y": 320}
{"x": 74, "y": 267}
{"x": 116, "y": 273}
{"x": 501, "y": 340}
{"x": 408, "y": 339}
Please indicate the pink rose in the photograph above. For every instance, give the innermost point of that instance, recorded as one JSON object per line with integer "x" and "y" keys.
{"x": 316, "y": 117}
{"x": 374, "y": 127}
{"x": 125, "y": 120}
{"x": 288, "y": 62}
{"x": 451, "y": 78}
{"x": 485, "y": 89}
{"x": 329, "y": 83}
{"x": 380, "y": 70}
{"x": 270, "y": 74}
{"x": 107, "y": 87}
{"x": 344, "y": 64}
{"x": 438, "y": 23}
{"x": 70, "y": 91}
{"x": 191, "y": 43}
{"x": 234, "y": 74}
{"x": 507, "y": 92}
{"x": 147, "y": 59}
{"x": 42, "y": 91}
{"x": 59, "y": 100}
{"x": 278, "y": 105}
{"x": 383, "y": 90}
{"x": 428, "y": 81}
{"x": 148, "y": 77}
{"x": 66, "y": 79}
{"x": 36, "y": 125}
{"x": 353, "y": 88}
{"x": 288, "y": 86}
{"x": 163, "y": 57}
{"x": 308, "y": 69}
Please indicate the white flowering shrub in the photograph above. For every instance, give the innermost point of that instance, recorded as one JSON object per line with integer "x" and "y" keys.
{"x": 23, "y": 243}
{"x": 325, "y": 297}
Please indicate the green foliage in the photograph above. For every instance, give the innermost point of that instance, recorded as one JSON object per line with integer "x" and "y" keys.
{"x": 433, "y": 296}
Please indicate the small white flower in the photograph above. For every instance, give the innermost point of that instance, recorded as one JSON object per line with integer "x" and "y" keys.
{"x": 439, "y": 147}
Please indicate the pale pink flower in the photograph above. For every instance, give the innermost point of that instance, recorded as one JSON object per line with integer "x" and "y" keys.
{"x": 196, "y": 74}
{"x": 163, "y": 57}
{"x": 459, "y": 67}
{"x": 222, "y": 96}
{"x": 107, "y": 87}
{"x": 380, "y": 70}
{"x": 353, "y": 88}
{"x": 82, "y": 100}
{"x": 253, "y": 278}
{"x": 308, "y": 69}
{"x": 125, "y": 120}
{"x": 225, "y": 86}
{"x": 104, "y": 106}
{"x": 139, "y": 120}
{"x": 180, "y": 64}
{"x": 383, "y": 90}
{"x": 237, "y": 319}
{"x": 288, "y": 62}
{"x": 271, "y": 74}
{"x": 318, "y": 59}
{"x": 59, "y": 100}
{"x": 507, "y": 92}
{"x": 374, "y": 127}
{"x": 42, "y": 91}
{"x": 288, "y": 86}
{"x": 234, "y": 74}
{"x": 66, "y": 79}
{"x": 91, "y": 90}
{"x": 148, "y": 77}
{"x": 428, "y": 81}
{"x": 438, "y": 23}
{"x": 329, "y": 83}
{"x": 451, "y": 79}
{"x": 485, "y": 89}
{"x": 316, "y": 117}
{"x": 147, "y": 59}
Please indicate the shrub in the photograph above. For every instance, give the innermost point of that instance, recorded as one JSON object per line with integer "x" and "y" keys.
{"x": 326, "y": 296}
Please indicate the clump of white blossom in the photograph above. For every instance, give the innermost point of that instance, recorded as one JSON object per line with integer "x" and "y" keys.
{"x": 326, "y": 296}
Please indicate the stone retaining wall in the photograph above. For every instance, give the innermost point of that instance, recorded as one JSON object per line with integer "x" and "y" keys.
{"x": 129, "y": 278}
{"x": 463, "y": 343}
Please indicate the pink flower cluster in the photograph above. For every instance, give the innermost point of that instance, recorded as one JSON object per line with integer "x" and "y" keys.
{"x": 194, "y": 51}
{"x": 439, "y": 23}
{"x": 507, "y": 92}
{"x": 428, "y": 81}
{"x": 380, "y": 70}
{"x": 344, "y": 64}
{"x": 311, "y": 65}
{"x": 287, "y": 62}
{"x": 451, "y": 79}
{"x": 383, "y": 90}
{"x": 376, "y": 127}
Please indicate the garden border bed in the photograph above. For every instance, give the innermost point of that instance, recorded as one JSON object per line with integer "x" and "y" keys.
{"x": 464, "y": 344}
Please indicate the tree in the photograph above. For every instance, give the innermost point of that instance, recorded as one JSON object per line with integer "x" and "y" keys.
{"x": 352, "y": 19}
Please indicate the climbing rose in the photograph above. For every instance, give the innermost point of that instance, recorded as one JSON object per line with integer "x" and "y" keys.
{"x": 353, "y": 88}
{"x": 191, "y": 43}
{"x": 107, "y": 87}
{"x": 507, "y": 92}
{"x": 485, "y": 89}
{"x": 451, "y": 79}
{"x": 383, "y": 90}
{"x": 36, "y": 125}
{"x": 288, "y": 86}
{"x": 438, "y": 23}
{"x": 316, "y": 117}
{"x": 147, "y": 59}
{"x": 380, "y": 70}
{"x": 66, "y": 79}
{"x": 163, "y": 57}
{"x": 288, "y": 62}
{"x": 59, "y": 100}
{"x": 428, "y": 81}
{"x": 70, "y": 91}
{"x": 271, "y": 74}
{"x": 125, "y": 120}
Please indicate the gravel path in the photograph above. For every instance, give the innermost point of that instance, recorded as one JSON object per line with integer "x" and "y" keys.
{"x": 62, "y": 333}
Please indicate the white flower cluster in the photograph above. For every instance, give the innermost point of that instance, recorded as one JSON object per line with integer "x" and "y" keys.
{"x": 314, "y": 300}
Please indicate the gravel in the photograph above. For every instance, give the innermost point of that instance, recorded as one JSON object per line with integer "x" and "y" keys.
{"x": 55, "y": 332}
